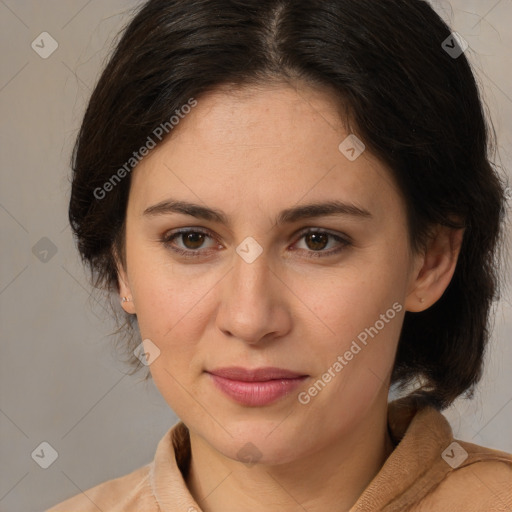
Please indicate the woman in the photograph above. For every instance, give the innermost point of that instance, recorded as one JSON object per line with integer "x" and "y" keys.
{"x": 295, "y": 205}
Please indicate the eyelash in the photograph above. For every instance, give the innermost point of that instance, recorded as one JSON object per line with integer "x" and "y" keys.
{"x": 168, "y": 238}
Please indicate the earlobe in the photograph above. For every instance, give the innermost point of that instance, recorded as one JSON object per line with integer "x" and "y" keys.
{"x": 125, "y": 292}
{"x": 126, "y": 295}
{"x": 437, "y": 266}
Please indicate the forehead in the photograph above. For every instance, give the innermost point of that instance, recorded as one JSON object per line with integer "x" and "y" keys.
{"x": 275, "y": 116}
{"x": 269, "y": 144}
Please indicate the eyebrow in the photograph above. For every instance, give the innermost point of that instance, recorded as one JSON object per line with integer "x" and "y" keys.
{"x": 290, "y": 215}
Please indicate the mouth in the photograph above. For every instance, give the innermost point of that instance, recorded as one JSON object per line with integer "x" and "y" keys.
{"x": 256, "y": 387}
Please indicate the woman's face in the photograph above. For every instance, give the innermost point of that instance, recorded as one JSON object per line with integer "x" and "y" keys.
{"x": 258, "y": 288}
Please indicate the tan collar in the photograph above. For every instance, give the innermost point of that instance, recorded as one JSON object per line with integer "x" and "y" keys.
{"x": 410, "y": 472}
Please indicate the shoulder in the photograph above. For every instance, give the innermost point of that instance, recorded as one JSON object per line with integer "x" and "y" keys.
{"x": 480, "y": 483}
{"x": 131, "y": 492}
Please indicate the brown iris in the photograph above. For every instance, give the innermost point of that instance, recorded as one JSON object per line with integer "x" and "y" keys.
{"x": 319, "y": 240}
{"x": 195, "y": 239}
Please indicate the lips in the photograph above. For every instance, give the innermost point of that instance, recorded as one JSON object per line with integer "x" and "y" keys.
{"x": 255, "y": 375}
{"x": 257, "y": 387}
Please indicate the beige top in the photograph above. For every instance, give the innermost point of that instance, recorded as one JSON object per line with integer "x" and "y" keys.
{"x": 427, "y": 471}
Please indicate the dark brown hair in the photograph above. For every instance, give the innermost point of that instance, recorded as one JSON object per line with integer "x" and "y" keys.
{"x": 415, "y": 105}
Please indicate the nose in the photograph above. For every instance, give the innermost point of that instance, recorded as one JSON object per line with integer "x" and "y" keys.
{"x": 254, "y": 302}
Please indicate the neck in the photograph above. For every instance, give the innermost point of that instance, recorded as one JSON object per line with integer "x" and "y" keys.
{"x": 331, "y": 478}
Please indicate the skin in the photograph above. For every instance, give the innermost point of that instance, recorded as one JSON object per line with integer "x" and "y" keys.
{"x": 253, "y": 153}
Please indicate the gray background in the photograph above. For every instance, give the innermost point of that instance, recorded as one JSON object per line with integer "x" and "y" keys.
{"x": 61, "y": 380}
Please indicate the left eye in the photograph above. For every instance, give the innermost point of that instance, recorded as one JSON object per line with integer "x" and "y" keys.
{"x": 192, "y": 240}
{"x": 316, "y": 242}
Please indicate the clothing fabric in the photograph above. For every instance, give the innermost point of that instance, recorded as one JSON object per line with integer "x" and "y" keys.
{"x": 428, "y": 470}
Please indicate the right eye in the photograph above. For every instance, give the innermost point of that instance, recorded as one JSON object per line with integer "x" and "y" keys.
{"x": 191, "y": 239}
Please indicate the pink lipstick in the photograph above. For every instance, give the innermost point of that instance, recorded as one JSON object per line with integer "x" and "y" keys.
{"x": 257, "y": 387}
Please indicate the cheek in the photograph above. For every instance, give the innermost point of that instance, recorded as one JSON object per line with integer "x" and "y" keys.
{"x": 364, "y": 327}
{"x": 172, "y": 315}
{"x": 358, "y": 313}
{"x": 174, "y": 305}
{"x": 165, "y": 293}
{"x": 353, "y": 296}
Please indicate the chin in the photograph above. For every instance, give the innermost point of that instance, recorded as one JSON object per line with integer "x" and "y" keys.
{"x": 258, "y": 442}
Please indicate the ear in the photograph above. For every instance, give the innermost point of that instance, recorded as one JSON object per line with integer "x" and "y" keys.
{"x": 124, "y": 286}
{"x": 434, "y": 269}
